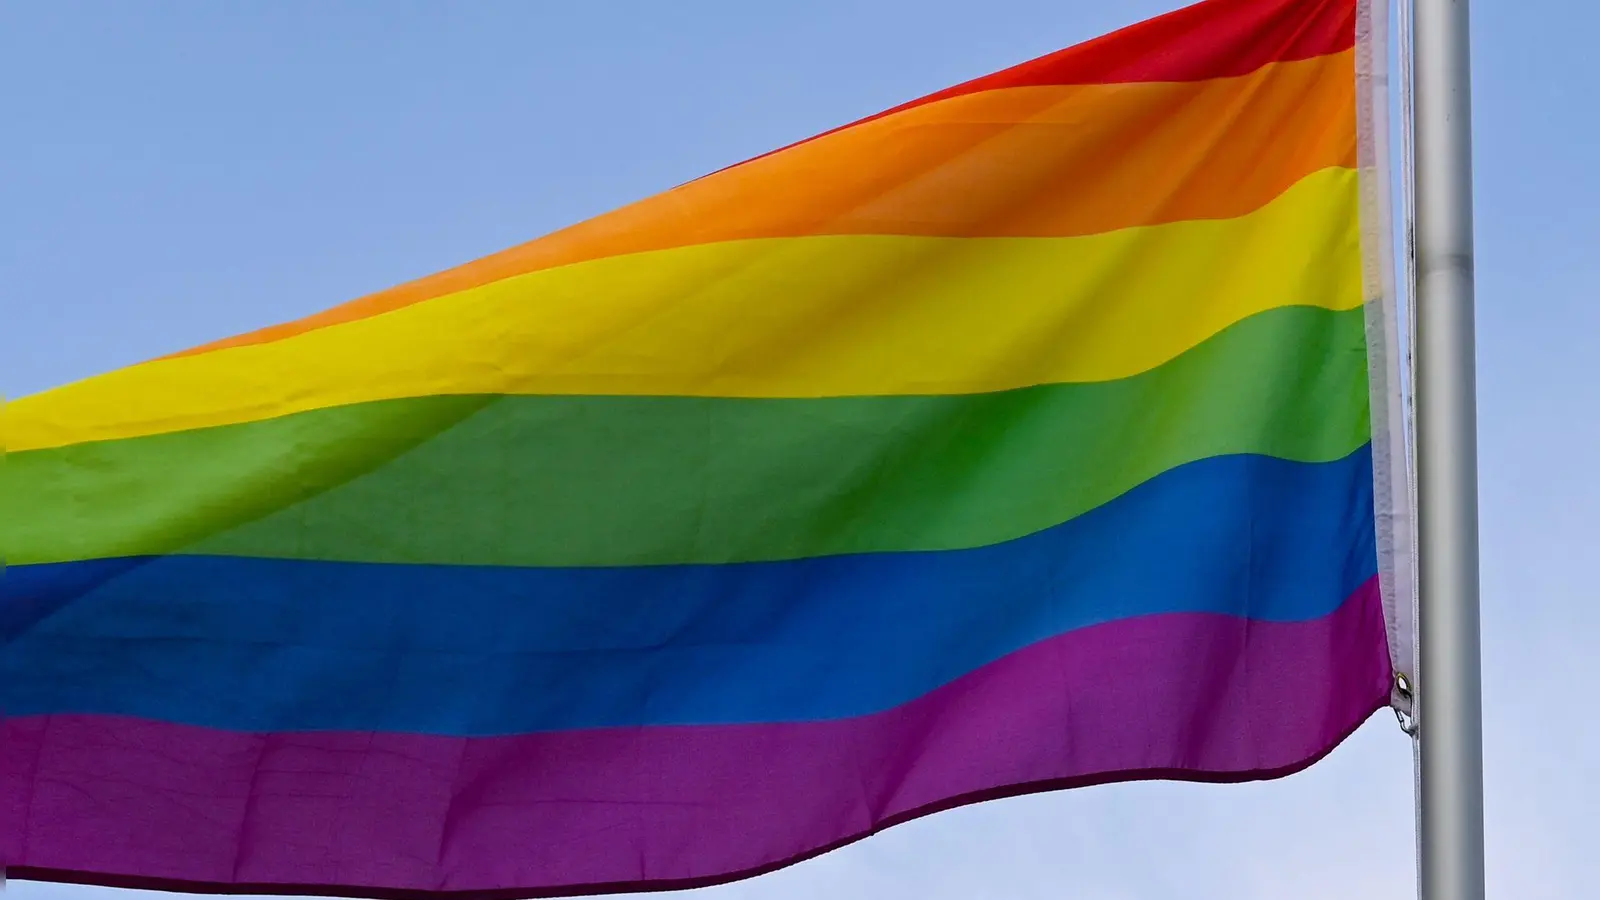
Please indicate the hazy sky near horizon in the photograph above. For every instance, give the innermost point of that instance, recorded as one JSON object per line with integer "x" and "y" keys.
{"x": 176, "y": 171}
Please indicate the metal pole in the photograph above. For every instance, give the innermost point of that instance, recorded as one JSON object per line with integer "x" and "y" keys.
{"x": 1449, "y": 678}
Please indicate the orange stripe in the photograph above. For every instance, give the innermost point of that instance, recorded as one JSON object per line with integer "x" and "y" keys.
{"x": 1042, "y": 161}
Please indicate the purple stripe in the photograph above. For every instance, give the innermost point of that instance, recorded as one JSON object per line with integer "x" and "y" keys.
{"x": 1192, "y": 696}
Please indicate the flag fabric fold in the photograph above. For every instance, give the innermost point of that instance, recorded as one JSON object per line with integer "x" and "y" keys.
{"x": 1017, "y": 438}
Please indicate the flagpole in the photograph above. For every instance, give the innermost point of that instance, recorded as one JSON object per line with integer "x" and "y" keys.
{"x": 1449, "y": 677}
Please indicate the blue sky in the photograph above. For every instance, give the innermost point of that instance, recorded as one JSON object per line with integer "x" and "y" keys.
{"x": 172, "y": 172}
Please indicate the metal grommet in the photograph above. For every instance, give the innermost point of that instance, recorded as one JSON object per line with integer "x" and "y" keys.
{"x": 1407, "y": 720}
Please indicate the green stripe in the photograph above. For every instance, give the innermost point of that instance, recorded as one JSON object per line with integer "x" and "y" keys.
{"x": 566, "y": 481}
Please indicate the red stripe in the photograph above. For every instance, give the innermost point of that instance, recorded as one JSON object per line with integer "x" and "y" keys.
{"x": 1212, "y": 39}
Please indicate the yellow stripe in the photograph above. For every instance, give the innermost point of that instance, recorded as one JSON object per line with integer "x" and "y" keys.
{"x": 778, "y": 317}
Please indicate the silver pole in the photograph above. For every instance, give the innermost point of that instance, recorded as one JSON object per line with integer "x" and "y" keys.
{"x": 1449, "y": 678}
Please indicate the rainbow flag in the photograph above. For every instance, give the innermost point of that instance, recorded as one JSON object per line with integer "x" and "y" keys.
{"x": 1033, "y": 434}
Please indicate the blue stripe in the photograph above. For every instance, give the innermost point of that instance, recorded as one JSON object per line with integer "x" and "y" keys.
{"x": 290, "y": 645}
